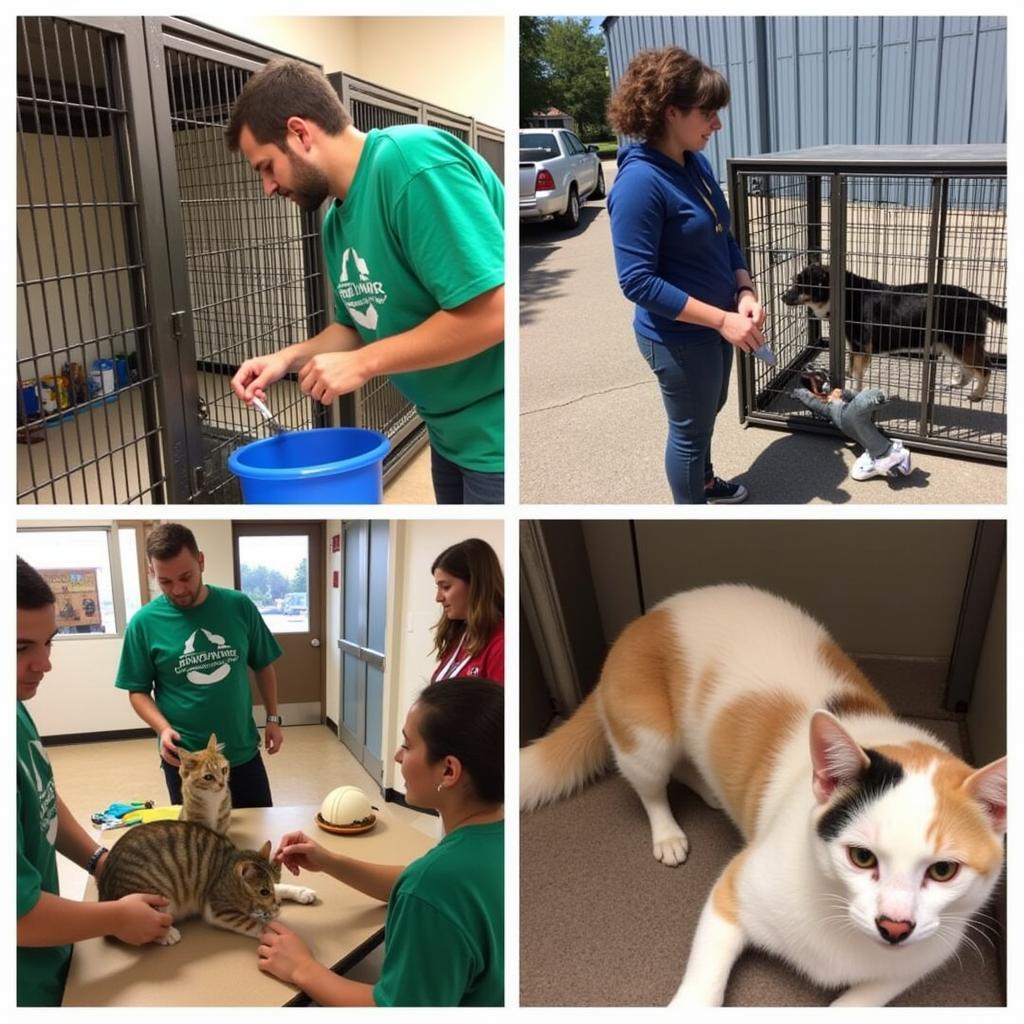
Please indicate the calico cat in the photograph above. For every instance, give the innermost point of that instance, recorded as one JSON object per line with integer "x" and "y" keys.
{"x": 868, "y": 844}
{"x": 205, "y": 796}
{"x": 200, "y": 872}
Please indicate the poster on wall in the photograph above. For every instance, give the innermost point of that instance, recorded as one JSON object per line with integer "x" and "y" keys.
{"x": 78, "y": 597}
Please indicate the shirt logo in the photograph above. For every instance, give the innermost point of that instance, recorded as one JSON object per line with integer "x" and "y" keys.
{"x": 208, "y": 664}
{"x": 47, "y": 792}
{"x": 360, "y": 295}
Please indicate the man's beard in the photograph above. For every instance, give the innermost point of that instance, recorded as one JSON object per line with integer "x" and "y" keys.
{"x": 311, "y": 186}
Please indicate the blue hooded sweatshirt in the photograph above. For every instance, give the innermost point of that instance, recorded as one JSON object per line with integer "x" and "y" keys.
{"x": 666, "y": 246}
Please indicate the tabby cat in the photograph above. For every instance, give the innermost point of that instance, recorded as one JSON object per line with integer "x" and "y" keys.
{"x": 205, "y": 796}
{"x": 200, "y": 872}
{"x": 868, "y": 844}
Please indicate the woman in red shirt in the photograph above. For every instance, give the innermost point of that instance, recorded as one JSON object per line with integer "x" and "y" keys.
{"x": 469, "y": 638}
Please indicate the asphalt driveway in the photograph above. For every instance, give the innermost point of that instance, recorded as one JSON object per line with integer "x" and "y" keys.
{"x": 592, "y": 426}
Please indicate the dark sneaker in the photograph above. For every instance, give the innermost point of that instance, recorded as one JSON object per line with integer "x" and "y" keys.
{"x": 725, "y": 492}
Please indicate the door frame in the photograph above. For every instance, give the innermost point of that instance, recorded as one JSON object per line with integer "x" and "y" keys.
{"x": 316, "y": 530}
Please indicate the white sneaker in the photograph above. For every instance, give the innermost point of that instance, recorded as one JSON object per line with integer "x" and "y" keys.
{"x": 898, "y": 458}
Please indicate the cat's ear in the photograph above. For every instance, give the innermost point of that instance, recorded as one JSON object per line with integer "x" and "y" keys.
{"x": 988, "y": 787}
{"x": 265, "y": 851}
{"x": 212, "y": 745}
{"x": 836, "y": 758}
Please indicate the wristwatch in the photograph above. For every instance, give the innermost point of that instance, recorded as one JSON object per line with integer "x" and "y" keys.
{"x": 90, "y": 865}
{"x": 275, "y": 719}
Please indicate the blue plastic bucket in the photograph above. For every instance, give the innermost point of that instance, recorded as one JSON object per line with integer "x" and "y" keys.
{"x": 329, "y": 466}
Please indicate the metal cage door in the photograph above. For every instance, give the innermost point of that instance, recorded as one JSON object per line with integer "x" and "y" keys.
{"x": 246, "y": 272}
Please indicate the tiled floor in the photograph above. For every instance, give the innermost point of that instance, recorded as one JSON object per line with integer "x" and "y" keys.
{"x": 312, "y": 761}
{"x": 413, "y": 485}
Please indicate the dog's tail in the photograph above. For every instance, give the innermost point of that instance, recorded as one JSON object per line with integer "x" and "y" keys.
{"x": 564, "y": 760}
{"x": 994, "y": 312}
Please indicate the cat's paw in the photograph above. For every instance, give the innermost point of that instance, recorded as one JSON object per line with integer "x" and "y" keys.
{"x": 671, "y": 850}
{"x": 173, "y": 936}
{"x": 692, "y": 995}
{"x": 295, "y": 893}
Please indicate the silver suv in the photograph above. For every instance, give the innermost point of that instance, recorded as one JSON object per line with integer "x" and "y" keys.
{"x": 557, "y": 173}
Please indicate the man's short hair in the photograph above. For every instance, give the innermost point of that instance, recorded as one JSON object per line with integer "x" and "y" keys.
{"x": 168, "y": 540}
{"x": 279, "y": 90}
{"x": 33, "y": 591}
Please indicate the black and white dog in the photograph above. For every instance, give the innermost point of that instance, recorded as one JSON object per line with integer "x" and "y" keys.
{"x": 891, "y": 318}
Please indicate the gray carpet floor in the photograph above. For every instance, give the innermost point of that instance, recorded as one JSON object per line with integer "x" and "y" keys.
{"x": 604, "y": 924}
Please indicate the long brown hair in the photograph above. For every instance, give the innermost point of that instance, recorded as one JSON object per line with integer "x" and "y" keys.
{"x": 474, "y": 562}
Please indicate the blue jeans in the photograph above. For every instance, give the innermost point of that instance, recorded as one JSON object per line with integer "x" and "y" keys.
{"x": 854, "y": 416}
{"x": 694, "y": 380}
{"x": 454, "y": 485}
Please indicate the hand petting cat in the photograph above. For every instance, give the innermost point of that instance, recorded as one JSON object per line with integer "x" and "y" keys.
{"x": 296, "y": 850}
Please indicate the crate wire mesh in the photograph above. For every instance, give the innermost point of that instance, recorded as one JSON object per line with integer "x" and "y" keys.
{"x": 253, "y": 268}
{"x": 944, "y": 225}
{"x": 88, "y": 426}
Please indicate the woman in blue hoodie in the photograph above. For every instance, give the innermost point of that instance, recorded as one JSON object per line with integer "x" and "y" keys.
{"x": 676, "y": 258}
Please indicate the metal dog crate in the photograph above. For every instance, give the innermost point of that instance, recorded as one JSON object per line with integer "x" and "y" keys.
{"x": 929, "y": 215}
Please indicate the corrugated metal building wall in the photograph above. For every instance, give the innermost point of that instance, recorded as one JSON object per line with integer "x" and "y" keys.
{"x": 799, "y": 82}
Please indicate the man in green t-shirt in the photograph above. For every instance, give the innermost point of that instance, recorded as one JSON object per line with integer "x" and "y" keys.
{"x": 184, "y": 661}
{"x": 415, "y": 251}
{"x": 47, "y": 923}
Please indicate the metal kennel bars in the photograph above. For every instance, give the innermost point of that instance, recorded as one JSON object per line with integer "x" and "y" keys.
{"x": 932, "y": 216}
{"x": 149, "y": 263}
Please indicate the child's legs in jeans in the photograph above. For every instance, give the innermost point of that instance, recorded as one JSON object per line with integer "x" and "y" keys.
{"x": 858, "y": 422}
{"x": 694, "y": 379}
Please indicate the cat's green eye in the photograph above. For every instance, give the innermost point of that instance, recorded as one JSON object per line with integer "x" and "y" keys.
{"x": 943, "y": 871}
{"x": 861, "y": 857}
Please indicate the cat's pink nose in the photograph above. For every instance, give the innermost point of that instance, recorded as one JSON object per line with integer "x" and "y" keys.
{"x": 893, "y": 931}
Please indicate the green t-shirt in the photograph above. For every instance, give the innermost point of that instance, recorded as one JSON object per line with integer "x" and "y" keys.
{"x": 42, "y": 970}
{"x": 444, "y": 936}
{"x": 194, "y": 661}
{"x": 422, "y": 229}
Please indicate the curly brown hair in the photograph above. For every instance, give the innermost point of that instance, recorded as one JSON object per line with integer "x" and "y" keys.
{"x": 656, "y": 80}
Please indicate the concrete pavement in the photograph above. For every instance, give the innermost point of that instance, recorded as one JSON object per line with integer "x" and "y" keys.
{"x": 592, "y": 426}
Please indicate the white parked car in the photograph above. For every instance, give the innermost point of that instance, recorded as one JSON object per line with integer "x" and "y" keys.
{"x": 557, "y": 173}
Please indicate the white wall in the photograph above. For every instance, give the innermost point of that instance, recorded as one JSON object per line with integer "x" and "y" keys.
{"x": 410, "y": 662}
{"x": 457, "y": 63}
{"x": 78, "y": 695}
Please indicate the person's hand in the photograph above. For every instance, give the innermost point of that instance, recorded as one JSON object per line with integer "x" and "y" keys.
{"x": 141, "y": 918}
{"x": 750, "y": 306}
{"x": 168, "y": 751}
{"x": 282, "y": 953}
{"x": 296, "y": 850}
{"x": 742, "y": 332}
{"x": 328, "y": 375}
{"x": 256, "y": 374}
{"x": 273, "y": 737}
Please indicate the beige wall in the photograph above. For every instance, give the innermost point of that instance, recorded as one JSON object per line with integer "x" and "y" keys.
{"x": 456, "y": 63}
{"x": 881, "y": 587}
{"x": 78, "y": 695}
{"x": 986, "y": 721}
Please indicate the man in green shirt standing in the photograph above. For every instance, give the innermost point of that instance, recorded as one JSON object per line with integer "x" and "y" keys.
{"x": 47, "y": 923}
{"x": 184, "y": 661}
{"x": 415, "y": 251}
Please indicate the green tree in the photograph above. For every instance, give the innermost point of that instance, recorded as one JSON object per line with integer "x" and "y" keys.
{"x": 578, "y": 73}
{"x": 534, "y": 87}
{"x": 300, "y": 577}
